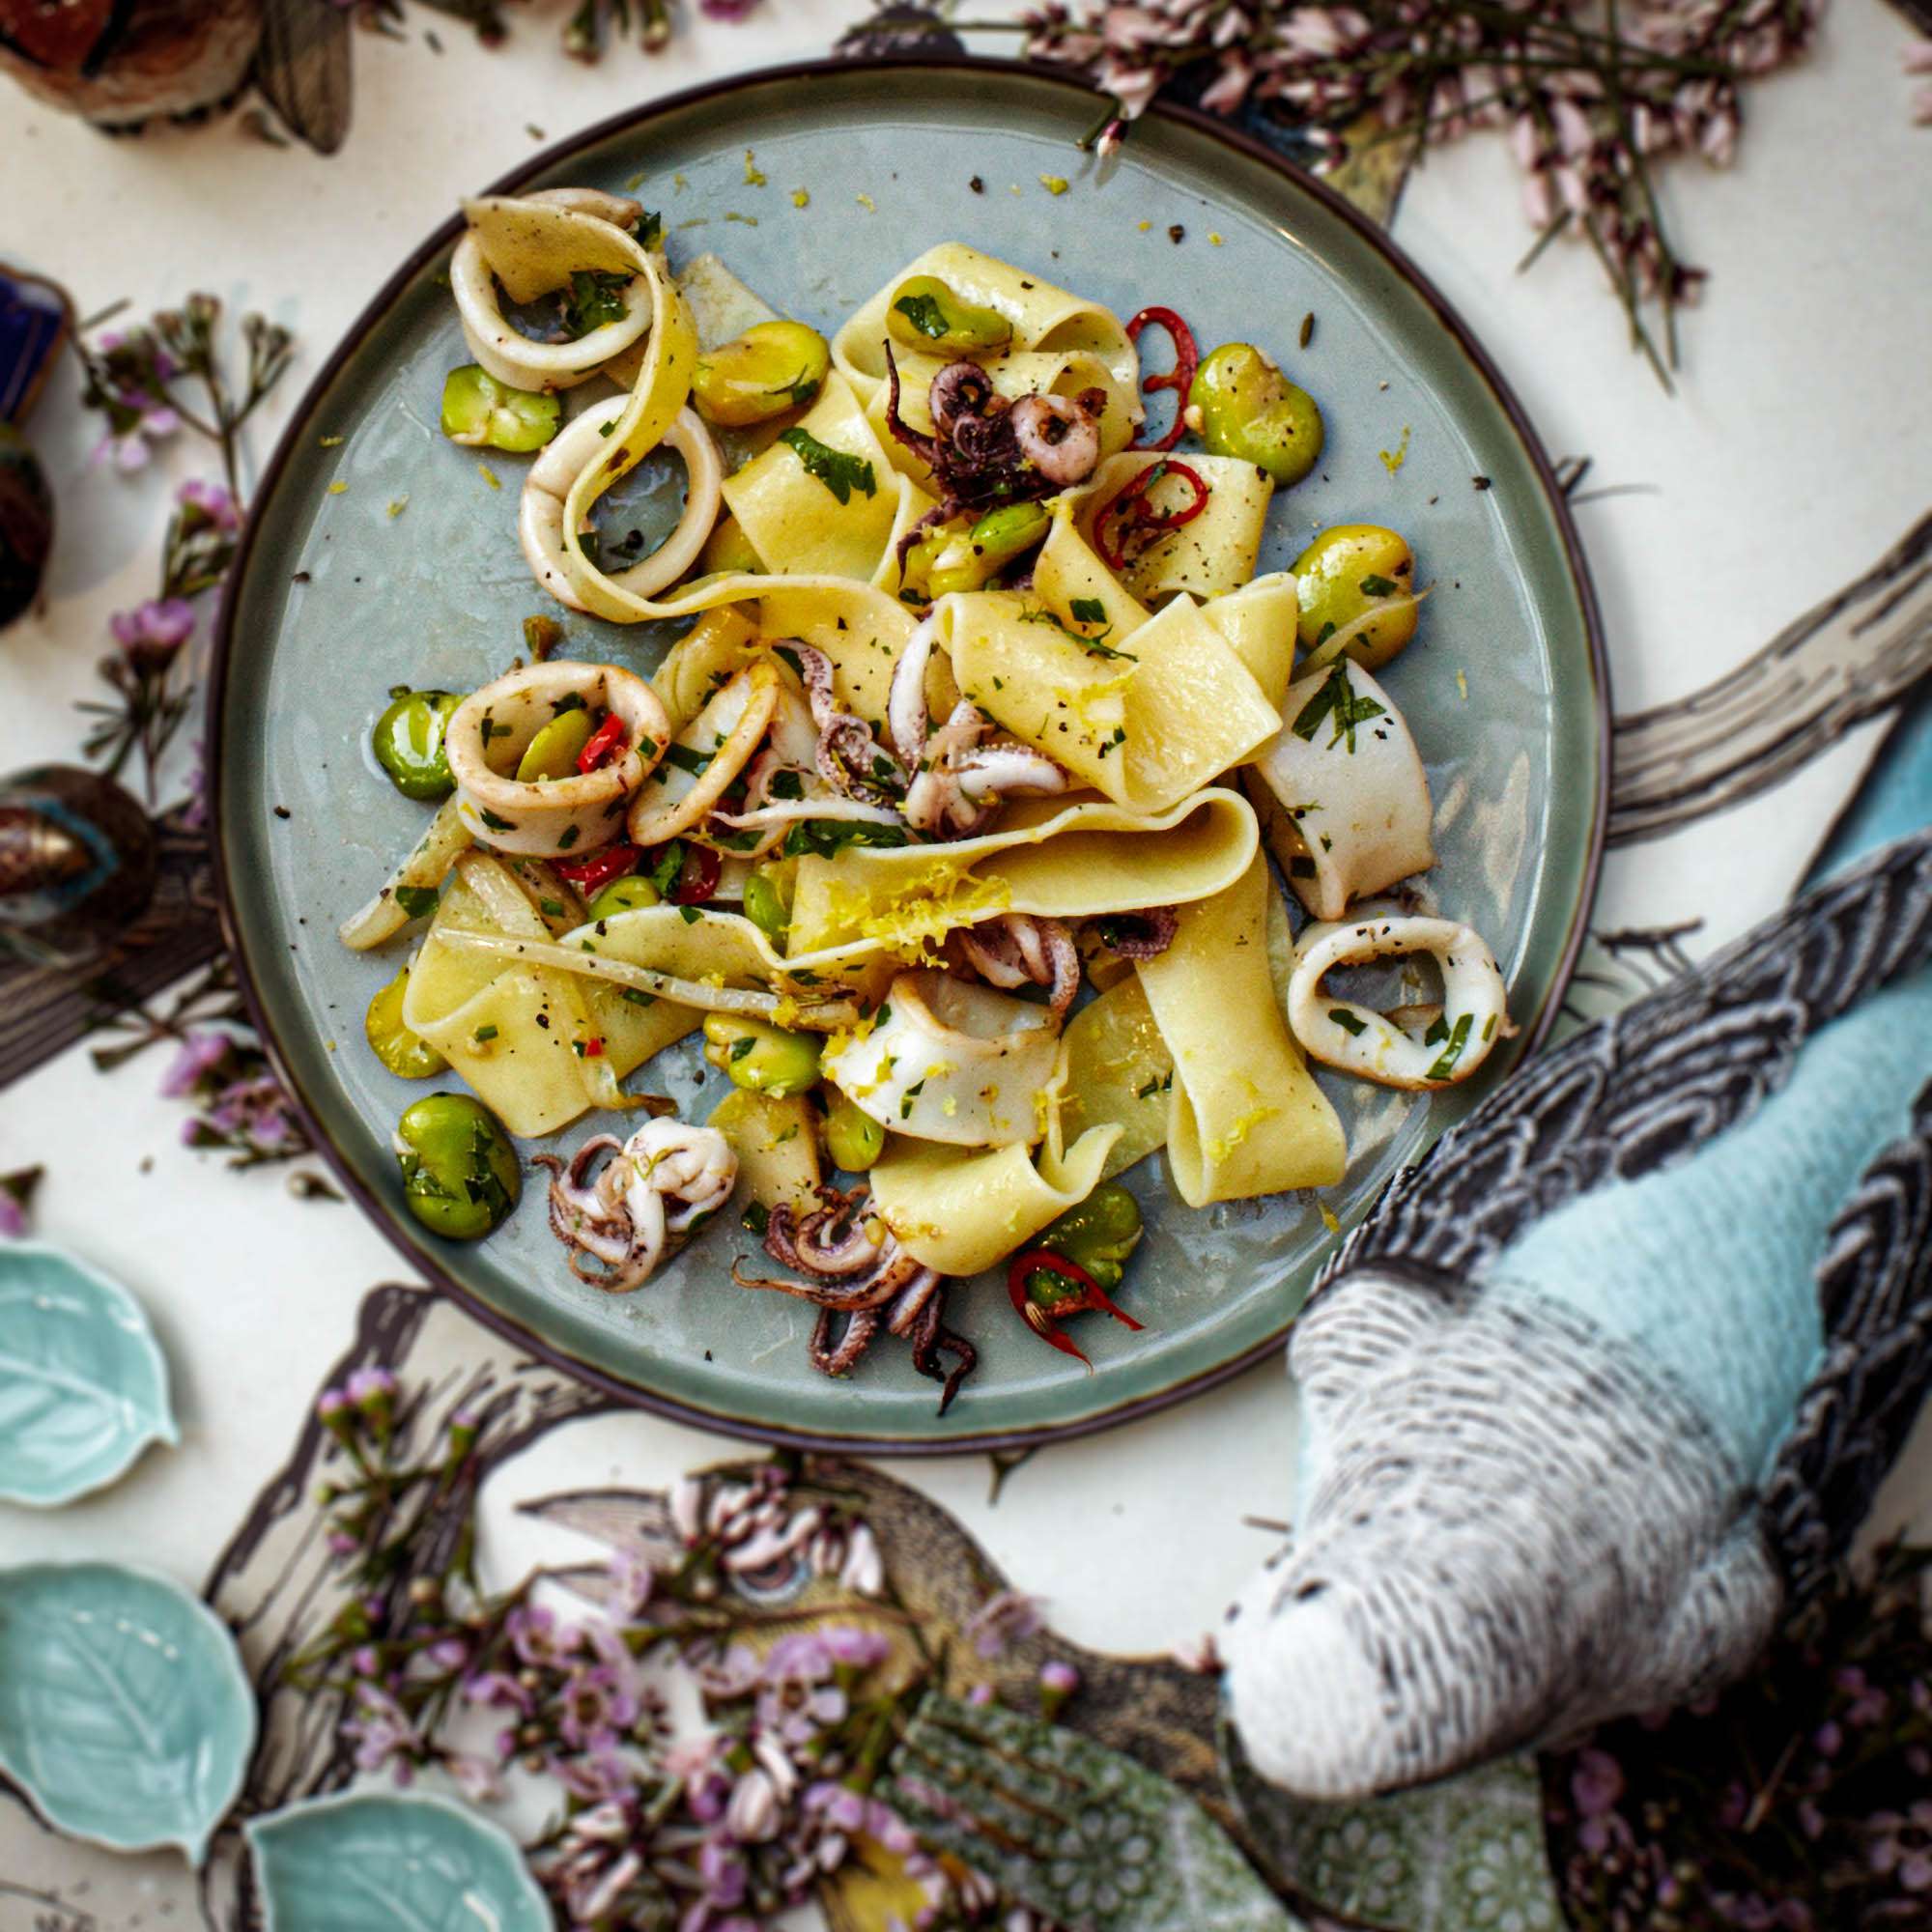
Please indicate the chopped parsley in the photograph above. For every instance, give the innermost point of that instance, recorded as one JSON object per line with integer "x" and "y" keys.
{"x": 418, "y": 901}
{"x": 566, "y": 838}
{"x": 494, "y": 823}
{"x": 1339, "y": 703}
{"x": 827, "y": 836}
{"x": 596, "y": 297}
{"x": 1444, "y": 1067}
{"x": 1086, "y": 610}
{"x": 923, "y": 312}
{"x": 841, "y": 473}
{"x": 741, "y": 1047}
{"x": 484, "y": 1035}
{"x": 649, "y": 229}
{"x": 664, "y": 874}
{"x": 688, "y": 759}
{"x": 1379, "y": 586}
{"x": 690, "y": 915}
{"x": 1348, "y": 1022}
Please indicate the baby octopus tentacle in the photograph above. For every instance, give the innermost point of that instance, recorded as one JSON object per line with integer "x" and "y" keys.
{"x": 841, "y": 1357}
{"x": 931, "y": 1338}
{"x": 1017, "y": 950}
{"x": 849, "y": 759}
{"x": 625, "y": 1218}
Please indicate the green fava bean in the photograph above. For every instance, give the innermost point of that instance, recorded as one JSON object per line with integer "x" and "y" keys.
{"x": 408, "y": 741}
{"x": 481, "y": 413}
{"x": 1097, "y": 1234}
{"x": 927, "y": 314}
{"x": 1343, "y": 575}
{"x": 625, "y": 894}
{"x": 853, "y": 1139}
{"x": 764, "y": 905}
{"x": 764, "y": 1059}
{"x": 552, "y": 752}
{"x": 460, "y": 1176}
{"x": 772, "y": 367}
{"x": 1242, "y": 406}
{"x": 405, "y": 1053}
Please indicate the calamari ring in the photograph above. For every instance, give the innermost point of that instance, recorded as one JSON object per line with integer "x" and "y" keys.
{"x": 1358, "y": 1039}
{"x": 716, "y": 746}
{"x": 507, "y": 354}
{"x": 951, "y": 1061}
{"x": 548, "y": 485}
{"x": 491, "y": 729}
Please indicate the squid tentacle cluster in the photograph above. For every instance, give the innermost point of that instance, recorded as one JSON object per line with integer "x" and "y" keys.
{"x": 658, "y": 1188}
{"x": 857, "y": 1273}
{"x": 958, "y": 779}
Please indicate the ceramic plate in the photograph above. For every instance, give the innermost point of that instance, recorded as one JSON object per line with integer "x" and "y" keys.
{"x": 335, "y": 599}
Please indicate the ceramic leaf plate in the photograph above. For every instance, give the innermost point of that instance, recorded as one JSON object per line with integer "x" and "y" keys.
{"x": 83, "y": 1384}
{"x": 124, "y": 1712}
{"x": 335, "y": 599}
{"x": 371, "y": 1863}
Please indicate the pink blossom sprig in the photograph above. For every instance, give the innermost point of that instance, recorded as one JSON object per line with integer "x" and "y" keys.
{"x": 149, "y": 383}
{"x": 1798, "y": 1801}
{"x": 764, "y": 1594}
{"x": 1590, "y": 103}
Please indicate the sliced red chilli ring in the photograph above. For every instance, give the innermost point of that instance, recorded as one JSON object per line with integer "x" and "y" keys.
{"x": 603, "y": 745}
{"x": 592, "y": 874}
{"x": 1088, "y": 1293}
{"x": 1128, "y": 514}
{"x": 1180, "y": 379}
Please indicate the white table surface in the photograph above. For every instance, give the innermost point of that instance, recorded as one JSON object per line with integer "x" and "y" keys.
{"x": 1794, "y": 454}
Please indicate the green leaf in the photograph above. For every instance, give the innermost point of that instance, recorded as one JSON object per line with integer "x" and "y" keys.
{"x": 841, "y": 473}
{"x": 649, "y": 230}
{"x": 923, "y": 312}
{"x": 1378, "y": 586}
{"x": 124, "y": 1711}
{"x": 596, "y": 297}
{"x": 1444, "y": 1067}
{"x": 418, "y": 901}
{"x": 83, "y": 1384}
{"x": 1351, "y": 1023}
{"x": 1337, "y": 700}
{"x": 1087, "y": 610}
{"x": 372, "y": 1862}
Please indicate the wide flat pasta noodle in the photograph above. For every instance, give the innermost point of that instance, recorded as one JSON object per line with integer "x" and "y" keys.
{"x": 1045, "y": 319}
{"x": 1245, "y": 1115}
{"x": 517, "y": 1032}
{"x": 1146, "y": 718}
{"x": 1214, "y": 552}
{"x": 777, "y": 1144}
{"x": 961, "y": 1209}
{"x": 797, "y": 522}
{"x": 1050, "y": 858}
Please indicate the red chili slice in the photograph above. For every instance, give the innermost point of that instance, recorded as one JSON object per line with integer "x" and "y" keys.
{"x": 697, "y": 876}
{"x": 1180, "y": 379}
{"x": 1092, "y": 1297}
{"x": 603, "y": 745}
{"x": 592, "y": 874}
{"x": 1135, "y": 514}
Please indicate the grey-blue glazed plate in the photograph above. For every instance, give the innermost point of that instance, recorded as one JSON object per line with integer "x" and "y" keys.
{"x": 335, "y": 599}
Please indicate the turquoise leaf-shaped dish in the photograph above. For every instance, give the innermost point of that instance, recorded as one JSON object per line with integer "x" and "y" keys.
{"x": 377, "y": 1864}
{"x": 83, "y": 1382}
{"x": 124, "y": 1712}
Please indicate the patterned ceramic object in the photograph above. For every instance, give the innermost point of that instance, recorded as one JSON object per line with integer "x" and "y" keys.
{"x": 26, "y": 525}
{"x": 889, "y": 155}
{"x": 1466, "y": 1855}
{"x": 372, "y": 1862}
{"x": 124, "y": 1712}
{"x": 77, "y": 862}
{"x": 83, "y": 1382}
{"x": 1078, "y": 1834}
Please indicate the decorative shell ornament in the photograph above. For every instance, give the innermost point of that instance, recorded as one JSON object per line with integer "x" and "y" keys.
{"x": 1609, "y": 1384}
{"x": 78, "y": 859}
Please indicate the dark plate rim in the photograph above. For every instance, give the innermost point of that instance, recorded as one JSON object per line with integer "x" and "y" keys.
{"x": 625, "y": 1394}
